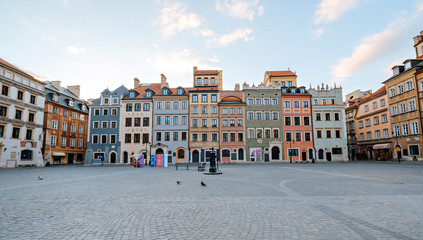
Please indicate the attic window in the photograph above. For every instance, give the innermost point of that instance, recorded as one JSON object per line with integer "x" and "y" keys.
{"x": 70, "y": 103}
{"x": 180, "y": 91}
{"x": 55, "y": 98}
{"x": 165, "y": 92}
{"x": 131, "y": 94}
{"x": 408, "y": 65}
{"x": 148, "y": 94}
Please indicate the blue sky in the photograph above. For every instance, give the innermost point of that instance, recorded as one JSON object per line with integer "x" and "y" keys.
{"x": 102, "y": 44}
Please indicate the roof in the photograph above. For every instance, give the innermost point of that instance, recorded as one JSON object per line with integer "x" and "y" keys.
{"x": 63, "y": 95}
{"x": 206, "y": 72}
{"x": 421, "y": 57}
{"x": 280, "y": 73}
{"x": 380, "y": 91}
{"x": 357, "y": 101}
{"x": 11, "y": 66}
{"x": 231, "y": 99}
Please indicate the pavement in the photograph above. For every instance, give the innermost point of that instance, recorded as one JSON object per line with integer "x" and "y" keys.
{"x": 356, "y": 200}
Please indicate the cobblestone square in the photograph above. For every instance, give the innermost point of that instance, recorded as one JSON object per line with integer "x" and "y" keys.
{"x": 365, "y": 200}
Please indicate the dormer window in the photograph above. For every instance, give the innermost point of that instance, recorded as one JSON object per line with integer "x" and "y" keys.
{"x": 407, "y": 65}
{"x": 55, "y": 98}
{"x": 396, "y": 71}
{"x": 106, "y": 101}
{"x": 70, "y": 103}
{"x": 284, "y": 90}
{"x": 302, "y": 90}
{"x": 131, "y": 94}
{"x": 148, "y": 94}
{"x": 165, "y": 92}
{"x": 180, "y": 92}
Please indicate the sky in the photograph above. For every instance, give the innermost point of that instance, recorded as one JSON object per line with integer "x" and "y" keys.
{"x": 101, "y": 44}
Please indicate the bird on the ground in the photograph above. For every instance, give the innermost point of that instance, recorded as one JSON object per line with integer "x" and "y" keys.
{"x": 40, "y": 178}
{"x": 178, "y": 182}
{"x": 203, "y": 184}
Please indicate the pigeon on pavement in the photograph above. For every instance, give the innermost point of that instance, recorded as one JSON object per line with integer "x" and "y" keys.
{"x": 203, "y": 184}
{"x": 178, "y": 182}
{"x": 40, "y": 178}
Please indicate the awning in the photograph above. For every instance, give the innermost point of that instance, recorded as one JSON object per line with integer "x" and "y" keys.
{"x": 382, "y": 146}
{"x": 58, "y": 154}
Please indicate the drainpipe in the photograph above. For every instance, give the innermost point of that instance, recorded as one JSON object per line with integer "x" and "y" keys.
{"x": 418, "y": 100}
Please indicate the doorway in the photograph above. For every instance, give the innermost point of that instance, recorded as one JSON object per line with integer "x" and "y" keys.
{"x": 304, "y": 156}
{"x": 328, "y": 156}
{"x": 113, "y": 157}
{"x": 195, "y": 156}
{"x": 70, "y": 158}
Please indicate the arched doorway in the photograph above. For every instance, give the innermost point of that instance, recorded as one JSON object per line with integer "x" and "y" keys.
{"x": 195, "y": 156}
{"x": 310, "y": 153}
{"x": 125, "y": 157}
{"x": 275, "y": 153}
{"x": 320, "y": 153}
{"x": 180, "y": 155}
{"x": 112, "y": 157}
{"x": 240, "y": 154}
{"x": 159, "y": 151}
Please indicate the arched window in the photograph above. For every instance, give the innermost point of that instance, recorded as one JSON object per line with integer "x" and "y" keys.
{"x": 275, "y": 153}
{"x": 159, "y": 151}
{"x": 241, "y": 154}
{"x": 320, "y": 153}
{"x": 181, "y": 153}
{"x": 195, "y": 156}
{"x": 226, "y": 153}
{"x": 310, "y": 153}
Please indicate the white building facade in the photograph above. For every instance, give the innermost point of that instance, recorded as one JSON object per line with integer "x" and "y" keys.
{"x": 22, "y": 100}
{"x": 329, "y": 127}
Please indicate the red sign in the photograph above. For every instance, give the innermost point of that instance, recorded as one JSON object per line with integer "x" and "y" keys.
{"x": 159, "y": 160}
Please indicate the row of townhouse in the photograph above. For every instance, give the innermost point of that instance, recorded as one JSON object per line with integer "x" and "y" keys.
{"x": 40, "y": 122}
{"x": 387, "y": 124}
{"x": 273, "y": 121}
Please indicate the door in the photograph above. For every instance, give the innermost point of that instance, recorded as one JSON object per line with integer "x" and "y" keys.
{"x": 113, "y": 157}
{"x": 180, "y": 155}
{"x": 195, "y": 156}
{"x": 310, "y": 153}
{"x": 275, "y": 153}
{"x": 328, "y": 156}
{"x": 266, "y": 157}
{"x": 70, "y": 158}
{"x": 125, "y": 157}
{"x": 304, "y": 156}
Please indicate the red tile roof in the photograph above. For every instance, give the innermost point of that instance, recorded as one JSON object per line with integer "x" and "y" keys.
{"x": 421, "y": 57}
{"x": 280, "y": 73}
{"x": 206, "y": 72}
{"x": 375, "y": 94}
{"x": 11, "y": 66}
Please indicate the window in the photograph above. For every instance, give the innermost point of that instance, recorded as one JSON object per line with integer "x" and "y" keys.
{"x": 194, "y": 137}
{"x": 214, "y": 137}
{"x": 159, "y": 120}
{"x": 225, "y": 137}
{"x": 369, "y": 136}
{"x": 259, "y": 133}
{"x": 232, "y": 111}
{"x": 318, "y": 117}
{"x": 266, "y": 133}
{"x": 224, "y": 122}
{"x": 137, "y": 138}
{"x": 72, "y": 142}
{"x": 385, "y": 133}
{"x": 258, "y": 115}
{"x": 204, "y": 109}
{"x": 394, "y": 110}
{"x": 360, "y": 124}
{"x": 198, "y": 81}
{"x": 175, "y": 136}
{"x": 266, "y": 101}
{"x": 367, "y": 122}
{"x": 288, "y": 137}
{"x": 289, "y": 84}
{"x": 175, "y": 120}
{"x": 274, "y": 101}
{"x": 159, "y": 105}
{"x": 377, "y": 134}
{"x": 305, "y": 104}
{"x": 232, "y": 137}
{"x": 336, "y": 116}
{"x": 28, "y": 135}
{"x": 32, "y": 99}
{"x": 286, "y": 104}
{"x": 298, "y": 137}
{"x": 195, "y": 109}
{"x": 337, "y": 151}
{"x": 204, "y": 123}
{"x": 184, "y": 120}
{"x": 204, "y": 98}
{"x": 129, "y": 107}
{"x": 128, "y": 138}
{"x": 275, "y": 133}
{"x": 297, "y": 121}
{"x": 392, "y": 92}
{"x": 128, "y": 122}
{"x": 307, "y": 137}
{"x": 31, "y": 117}
{"x": 250, "y": 116}
{"x": 402, "y": 108}
{"x": 214, "y": 98}
{"x": 315, "y": 101}
{"x": 408, "y": 85}
{"x": 112, "y": 139}
{"x": 137, "y": 107}
{"x": 224, "y": 111}
{"x": 212, "y": 81}
{"x": 396, "y": 131}
{"x": 366, "y": 108}
{"x": 146, "y": 107}
{"x": 414, "y": 150}
{"x": 226, "y": 153}
{"x": 240, "y": 137}
{"x": 250, "y": 101}
{"x": 324, "y": 101}
{"x": 411, "y": 105}
{"x": 73, "y": 128}
{"x": 405, "y": 129}
{"x": 55, "y": 110}
{"x": 414, "y": 128}
{"x": 275, "y": 116}
{"x": 81, "y": 129}
{"x": 240, "y": 123}
{"x": 20, "y": 95}
{"x": 327, "y": 116}
{"x": 204, "y": 137}
{"x": 306, "y": 121}
{"x": 5, "y": 90}
{"x": 175, "y": 105}
{"x": 180, "y": 91}
{"x": 194, "y": 122}
{"x": 96, "y": 124}
{"x": 337, "y": 133}
{"x": 104, "y": 124}
{"x": 113, "y": 124}
{"x": 258, "y": 101}
{"x": 54, "y": 124}
{"x": 148, "y": 94}
{"x": 146, "y": 122}
{"x": 184, "y": 105}
{"x": 18, "y": 114}
{"x": 384, "y": 118}
{"x": 374, "y": 105}
{"x": 103, "y": 139}
{"x": 361, "y": 136}
{"x": 251, "y": 133}
{"x": 400, "y": 89}
{"x": 131, "y": 94}
{"x": 53, "y": 140}
{"x": 296, "y": 104}
{"x": 328, "y": 133}
{"x": 80, "y": 143}
{"x": 64, "y": 126}
{"x": 382, "y": 102}
{"x": 376, "y": 120}
{"x": 214, "y": 109}
{"x": 239, "y": 111}
{"x": 167, "y": 136}
{"x": 167, "y": 120}
{"x": 232, "y": 122}
{"x": 165, "y": 92}
{"x": 137, "y": 122}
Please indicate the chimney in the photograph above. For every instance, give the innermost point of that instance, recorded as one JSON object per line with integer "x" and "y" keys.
{"x": 237, "y": 88}
{"x": 136, "y": 83}
{"x": 56, "y": 84}
{"x": 195, "y": 69}
{"x": 75, "y": 89}
{"x": 163, "y": 81}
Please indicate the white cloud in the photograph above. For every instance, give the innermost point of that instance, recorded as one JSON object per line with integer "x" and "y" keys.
{"x": 319, "y": 32}
{"x": 213, "y": 59}
{"x": 207, "y": 33}
{"x": 419, "y": 5}
{"x": 388, "y": 69}
{"x": 75, "y": 50}
{"x": 370, "y": 48}
{"x": 174, "y": 19}
{"x": 52, "y": 38}
{"x": 331, "y": 10}
{"x": 225, "y": 40}
{"x": 241, "y": 9}
{"x": 28, "y": 24}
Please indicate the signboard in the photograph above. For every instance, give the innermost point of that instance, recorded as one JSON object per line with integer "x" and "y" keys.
{"x": 152, "y": 160}
{"x": 255, "y": 152}
{"x": 159, "y": 160}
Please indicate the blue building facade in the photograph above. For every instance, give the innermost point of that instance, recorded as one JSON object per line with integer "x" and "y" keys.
{"x": 104, "y": 125}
